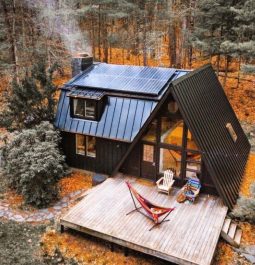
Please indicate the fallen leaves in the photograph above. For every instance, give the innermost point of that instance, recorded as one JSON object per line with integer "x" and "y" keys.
{"x": 14, "y": 200}
{"x": 76, "y": 181}
{"x": 248, "y": 235}
{"x": 86, "y": 250}
{"x": 249, "y": 176}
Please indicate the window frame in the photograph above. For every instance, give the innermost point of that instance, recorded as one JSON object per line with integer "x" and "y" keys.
{"x": 86, "y": 146}
{"x": 86, "y": 137}
{"x": 85, "y": 116}
{"x": 76, "y": 145}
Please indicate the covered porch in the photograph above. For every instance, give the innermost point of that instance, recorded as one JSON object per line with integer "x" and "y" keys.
{"x": 190, "y": 237}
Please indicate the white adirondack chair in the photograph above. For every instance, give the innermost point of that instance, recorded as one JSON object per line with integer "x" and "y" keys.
{"x": 165, "y": 183}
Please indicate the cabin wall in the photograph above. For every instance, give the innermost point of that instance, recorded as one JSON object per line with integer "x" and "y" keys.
{"x": 108, "y": 154}
{"x": 132, "y": 165}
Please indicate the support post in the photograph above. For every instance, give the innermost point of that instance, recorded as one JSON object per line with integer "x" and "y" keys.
{"x": 126, "y": 252}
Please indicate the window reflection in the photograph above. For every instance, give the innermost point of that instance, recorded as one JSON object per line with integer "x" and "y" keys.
{"x": 170, "y": 159}
{"x": 91, "y": 146}
{"x": 171, "y": 131}
{"x": 79, "y": 107}
{"x": 193, "y": 166}
{"x": 80, "y": 144}
{"x": 190, "y": 142}
{"x": 150, "y": 135}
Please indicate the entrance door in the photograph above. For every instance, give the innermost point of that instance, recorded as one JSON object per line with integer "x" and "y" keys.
{"x": 148, "y": 165}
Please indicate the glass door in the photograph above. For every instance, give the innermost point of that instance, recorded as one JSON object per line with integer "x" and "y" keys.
{"x": 148, "y": 164}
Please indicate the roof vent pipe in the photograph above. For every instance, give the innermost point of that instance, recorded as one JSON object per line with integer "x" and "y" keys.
{"x": 81, "y": 62}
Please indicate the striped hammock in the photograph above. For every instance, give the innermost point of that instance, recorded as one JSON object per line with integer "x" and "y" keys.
{"x": 154, "y": 212}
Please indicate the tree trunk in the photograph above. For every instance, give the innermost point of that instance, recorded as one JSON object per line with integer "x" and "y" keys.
{"x": 227, "y": 60}
{"x": 10, "y": 21}
{"x": 239, "y": 70}
{"x": 144, "y": 46}
{"x": 172, "y": 44}
{"x": 218, "y": 64}
{"x": 99, "y": 32}
{"x": 93, "y": 35}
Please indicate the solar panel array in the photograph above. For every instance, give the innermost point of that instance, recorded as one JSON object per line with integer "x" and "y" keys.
{"x": 124, "y": 78}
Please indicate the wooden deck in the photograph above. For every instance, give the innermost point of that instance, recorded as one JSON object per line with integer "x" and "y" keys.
{"x": 190, "y": 237}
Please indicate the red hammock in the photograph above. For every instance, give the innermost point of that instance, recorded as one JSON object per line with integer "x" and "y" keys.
{"x": 154, "y": 212}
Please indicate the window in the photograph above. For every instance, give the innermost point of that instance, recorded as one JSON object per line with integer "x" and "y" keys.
{"x": 170, "y": 159}
{"x": 172, "y": 107}
{"x": 91, "y": 146}
{"x": 80, "y": 144}
{"x": 148, "y": 153}
{"x": 84, "y": 108}
{"x": 171, "y": 131}
{"x": 85, "y": 145}
{"x": 190, "y": 142}
{"x": 193, "y": 164}
{"x": 150, "y": 135}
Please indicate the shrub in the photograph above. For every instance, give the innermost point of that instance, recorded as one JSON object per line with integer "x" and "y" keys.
{"x": 245, "y": 208}
{"x": 33, "y": 163}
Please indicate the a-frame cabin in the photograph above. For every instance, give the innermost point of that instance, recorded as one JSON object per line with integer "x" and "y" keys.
{"x": 144, "y": 120}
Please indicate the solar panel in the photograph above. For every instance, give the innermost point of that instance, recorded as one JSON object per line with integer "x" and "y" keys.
{"x": 124, "y": 78}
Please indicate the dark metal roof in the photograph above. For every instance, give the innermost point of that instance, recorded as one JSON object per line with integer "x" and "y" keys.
{"x": 207, "y": 111}
{"x": 86, "y": 94}
{"x": 124, "y": 78}
{"x": 121, "y": 120}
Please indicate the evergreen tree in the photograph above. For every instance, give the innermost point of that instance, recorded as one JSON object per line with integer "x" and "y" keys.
{"x": 245, "y": 29}
{"x": 32, "y": 100}
{"x": 214, "y": 29}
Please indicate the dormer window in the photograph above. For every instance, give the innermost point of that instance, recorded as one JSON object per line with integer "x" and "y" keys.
{"x": 84, "y": 108}
{"x": 87, "y": 104}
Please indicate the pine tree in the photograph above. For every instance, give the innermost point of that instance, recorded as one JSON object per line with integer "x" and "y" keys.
{"x": 32, "y": 100}
{"x": 245, "y": 29}
{"x": 213, "y": 30}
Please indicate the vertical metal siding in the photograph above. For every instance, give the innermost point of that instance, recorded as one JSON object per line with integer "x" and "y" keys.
{"x": 121, "y": 120}
{"x": 206, "y": 110}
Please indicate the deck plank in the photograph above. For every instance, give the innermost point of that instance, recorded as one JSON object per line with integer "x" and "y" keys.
{"x": 189, "y": 237}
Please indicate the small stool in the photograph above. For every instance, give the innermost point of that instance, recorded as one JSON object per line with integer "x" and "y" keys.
{"x": 98, "y": 179}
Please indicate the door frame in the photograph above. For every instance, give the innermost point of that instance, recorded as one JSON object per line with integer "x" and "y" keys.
{"x": 155, "y": 173}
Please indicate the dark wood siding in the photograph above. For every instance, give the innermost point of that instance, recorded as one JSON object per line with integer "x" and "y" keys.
{"x": 108, "y": 154}
{"x": 131, "y": 166}
{"x": 73, "y": 159}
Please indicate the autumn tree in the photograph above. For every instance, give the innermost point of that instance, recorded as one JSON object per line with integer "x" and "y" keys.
{"x": 32, "y": 100}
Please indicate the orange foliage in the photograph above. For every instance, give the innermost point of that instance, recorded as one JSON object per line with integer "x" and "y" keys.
{"x": 76, "y": 181}
{"x": 249, "y": 176}
{"x": 225, "y": 254}
{"x": 248, "y": 235}
{"x": 89, "y": 251}
{"x": 14, "y": 200}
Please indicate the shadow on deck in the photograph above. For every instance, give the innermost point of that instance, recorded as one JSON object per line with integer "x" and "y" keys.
{"x": 190, "y": 237}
